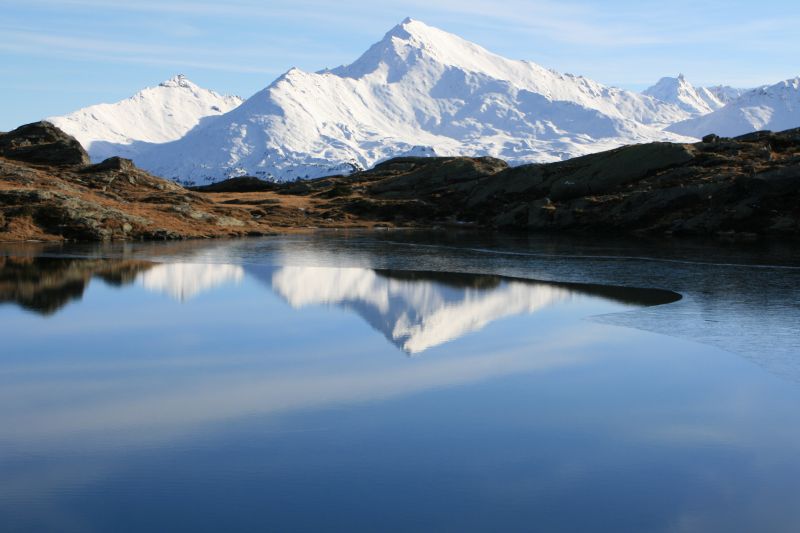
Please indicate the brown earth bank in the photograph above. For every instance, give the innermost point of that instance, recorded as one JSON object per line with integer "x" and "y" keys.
{"x": 741, "y": 188}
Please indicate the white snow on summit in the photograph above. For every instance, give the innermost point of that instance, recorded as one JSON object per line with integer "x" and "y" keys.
{"x": 419, "y": 90}
{"x": 154, "y": 115}
{"x": 725, "y": 93}
{"x": 775, "y": 107}
{"x": 678, "y": 91}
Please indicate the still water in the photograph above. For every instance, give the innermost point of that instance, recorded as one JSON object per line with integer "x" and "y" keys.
{"x": 400, "y": 382}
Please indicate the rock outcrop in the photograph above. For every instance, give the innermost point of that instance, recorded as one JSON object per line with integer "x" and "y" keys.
{"x": 50, "y": 191}
{"x": 42, "y": 143}
{"x": 743, "y": 187}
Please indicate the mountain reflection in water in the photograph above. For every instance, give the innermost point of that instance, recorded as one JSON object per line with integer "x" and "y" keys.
{"x": 236, "y": 385}
{"x": 414, "y": 310}
{"x": 419, "y": 310}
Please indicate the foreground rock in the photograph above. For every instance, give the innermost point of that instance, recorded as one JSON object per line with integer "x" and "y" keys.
{"x": 734, "y": 188}
{"x": 742, "y": 187}
{"x": 49, "y": 191}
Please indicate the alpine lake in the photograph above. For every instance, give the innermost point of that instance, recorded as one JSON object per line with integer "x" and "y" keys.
{"x": 400, "y": 381}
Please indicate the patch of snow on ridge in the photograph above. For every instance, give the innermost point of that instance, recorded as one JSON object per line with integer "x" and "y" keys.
{"x": 726, "y": 94}
{"x": 775, "y": 107}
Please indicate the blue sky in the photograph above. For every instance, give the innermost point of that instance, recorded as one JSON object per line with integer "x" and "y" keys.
{"x": 58, "y": 56}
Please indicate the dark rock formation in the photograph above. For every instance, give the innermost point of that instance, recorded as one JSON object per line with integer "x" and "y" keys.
{"x": 241, "y": 184}
{"x": 739, "y": 188}
{"x": 42, "y": 143}
{"x": 735, "y": 188}
{"x": 50, "y": 191}
{"x": 112, "y": 163}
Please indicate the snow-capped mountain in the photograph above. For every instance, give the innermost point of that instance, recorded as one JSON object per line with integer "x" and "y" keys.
{"x": 154, "y": 115}
{"x": 725, "y": 93}
{"x": 775, "y": 107}
{"x": 421, "y": 91}
{"x": 678, "y": 91}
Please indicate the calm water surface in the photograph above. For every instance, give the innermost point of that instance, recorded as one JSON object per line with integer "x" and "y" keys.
{"x": 400, "y": 382}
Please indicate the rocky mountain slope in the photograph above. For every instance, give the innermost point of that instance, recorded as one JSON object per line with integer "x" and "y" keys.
{"x": 153, "y": 115}
{"x": 419, "y": 91}
{"x": 50, "y": 190}
{"x": 733, "y": 188}
{"x": 775, "y": 107}
{"x": 743, "y": 187}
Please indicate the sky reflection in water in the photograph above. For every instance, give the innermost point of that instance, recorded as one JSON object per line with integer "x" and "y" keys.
{"x": 145, "y": 396}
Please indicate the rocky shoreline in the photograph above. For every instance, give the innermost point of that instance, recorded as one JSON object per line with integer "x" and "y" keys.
{"x": 742, "y": 188}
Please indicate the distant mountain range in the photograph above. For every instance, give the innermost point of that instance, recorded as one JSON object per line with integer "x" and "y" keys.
{"x": 679, "y": 92}
{"x": 775, "y": 107}
{"x": 418, "y": 91}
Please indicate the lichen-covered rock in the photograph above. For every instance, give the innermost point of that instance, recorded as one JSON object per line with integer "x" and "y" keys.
{"x": 42, "y": 143}
{"x": 49, "y": 191}
{"x": 748, "y": 186}
{"x": 738, "y": 188}
{"x": 112, "y": 163}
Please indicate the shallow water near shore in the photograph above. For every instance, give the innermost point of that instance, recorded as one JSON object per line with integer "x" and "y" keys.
{"x": 400, "y": 381}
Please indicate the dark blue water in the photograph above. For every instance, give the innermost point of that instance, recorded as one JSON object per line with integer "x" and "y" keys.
{"x": 399, "y": 382}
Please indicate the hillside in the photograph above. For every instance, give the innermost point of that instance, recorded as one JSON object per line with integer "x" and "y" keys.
{"x": 745, "y": 187}
{"x": 49, "y": 190}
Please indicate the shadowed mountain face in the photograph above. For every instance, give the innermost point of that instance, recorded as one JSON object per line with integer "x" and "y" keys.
{"x": 45, "y": 285}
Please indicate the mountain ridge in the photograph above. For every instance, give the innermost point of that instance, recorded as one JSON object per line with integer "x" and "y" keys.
{"x": 773, "y": 107}
{"x": 157, "y": 114}
{"x": 678, "y": 91}
{"x": 419, "y": 90}
{"x": 746, "y": 187}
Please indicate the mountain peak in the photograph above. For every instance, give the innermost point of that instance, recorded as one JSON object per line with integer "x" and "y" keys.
{"x": 774, "y": 107}
{"x": 179, "y": 80}
{"x": 156, "y": 114}
{"x": 419, "y": 90}
{"x": 407, "y": 27}
{"x": 679, "y": 92}
{"x": 412, "y": 41}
